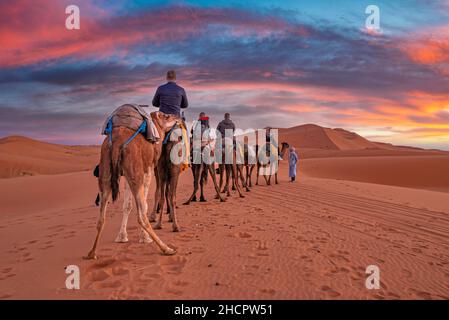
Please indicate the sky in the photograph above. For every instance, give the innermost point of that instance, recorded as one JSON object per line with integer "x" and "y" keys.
{"x": 268, "y": 63}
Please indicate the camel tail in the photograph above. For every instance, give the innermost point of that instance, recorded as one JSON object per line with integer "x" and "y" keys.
{"x": 116, "y": 157}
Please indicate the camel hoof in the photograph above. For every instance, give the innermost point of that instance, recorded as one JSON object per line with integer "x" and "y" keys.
{"x": 242, "y": 196}
{"x": 169, "y": 251}
{"x": 145, "y": 240}
{"x": 90, "y": 256}
{"x": 176, "y": 229}
{"x": 158, "y": 226}
{"x": 152, "y": 218}
{"x": 203, "y": 200}
{"x": 121, "y": 238}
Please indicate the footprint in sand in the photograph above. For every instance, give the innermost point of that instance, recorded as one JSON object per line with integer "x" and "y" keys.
{"x": 104, "y": 263}
{"x": 119, "y": 271}
{"x": 173, "y": 264}
{"x": 261, "y": 245}
{"x": 99, "y": 275}
{"x": 6, "y": 270}
{"x": 111, "y": 284}
{"x": 421, "y": 294}
{"x": 339, "y": 257}
{"x": 330, "y": 292}
{"x": 244, "y": 235}
{"x": 181, "y": 283}
{"x": 268, "y": 291}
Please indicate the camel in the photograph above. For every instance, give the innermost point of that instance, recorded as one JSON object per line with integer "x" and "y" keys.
{"x": 200, "y": 172}
{"x": 136, "y": 162}
{"x": 167, "y": 174}
{"x": 233, "y": 170}
{"x": 248, "y": 166}
{"x": 260, "y": 165}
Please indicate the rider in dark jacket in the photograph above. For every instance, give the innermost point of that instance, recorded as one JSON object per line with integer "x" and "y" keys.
{"x": 170, "y": 97}
{"x": 226, "y": 124}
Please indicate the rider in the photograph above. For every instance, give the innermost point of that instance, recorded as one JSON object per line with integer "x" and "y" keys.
{"x": 202, "y": 119}
{"x": 226, "y": 123}
{"x": 170, "y": 98}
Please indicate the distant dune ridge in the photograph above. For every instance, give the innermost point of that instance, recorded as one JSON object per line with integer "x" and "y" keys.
{"x": 311, "y": 136}
{"x": 21, "y": 156}
{"x": 314, "y": 136}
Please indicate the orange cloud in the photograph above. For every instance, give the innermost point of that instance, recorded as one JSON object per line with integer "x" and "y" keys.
{"x": 429, "y": 47}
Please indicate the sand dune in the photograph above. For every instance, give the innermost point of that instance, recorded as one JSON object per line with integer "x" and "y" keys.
{"x": 423, "y": 172}
{"x": 20, "y": 156}
{"x": 317, "y": 137}
{"x": 316, "y": 142}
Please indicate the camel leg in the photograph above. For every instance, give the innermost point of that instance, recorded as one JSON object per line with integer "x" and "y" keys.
{"x": 235, "y": 177}
{"x": 122, "y": 236}
{"x": 104, "y": 197}
{"x": 222, "y": 167}
{"x": 143, "y": 236}
{"x": 242, "y": 179}
{"x": 202, "y": 182}
{"x": 162, "y": 190}
{"x": 167, "y": 186}
{"x": 276, "y": 175}
{"x": 228, "y": 176}
{"x": 257, "y": 173}
{"x": 142, "y": 207}
{"x": 167, "y": 199}
{"x": 195, "y": 184}
{"x": 214, "y": 180}
{"x": 156, "y": 198}
{"x": 251, "y": 168}
{"x": 267, "y": 179}
{"x": 171, "y": 197}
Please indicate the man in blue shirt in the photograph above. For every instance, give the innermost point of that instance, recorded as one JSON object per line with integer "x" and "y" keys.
{"x": 170, "y": 98}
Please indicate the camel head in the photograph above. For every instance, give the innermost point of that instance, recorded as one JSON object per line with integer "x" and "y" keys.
{"x": 165, "y": 121}
{"x": 284, "y": 148}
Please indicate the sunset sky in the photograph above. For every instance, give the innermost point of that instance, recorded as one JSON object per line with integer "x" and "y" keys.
{"x": 268, "y": 63}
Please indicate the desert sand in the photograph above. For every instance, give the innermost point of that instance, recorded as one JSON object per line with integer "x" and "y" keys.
{"x": 356, "y": 203}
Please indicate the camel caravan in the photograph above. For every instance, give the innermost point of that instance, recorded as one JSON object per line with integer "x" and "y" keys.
{"x": 141, "y": 145}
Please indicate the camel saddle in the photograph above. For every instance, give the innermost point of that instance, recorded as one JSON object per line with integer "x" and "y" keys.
{"x": 132, "y": 116}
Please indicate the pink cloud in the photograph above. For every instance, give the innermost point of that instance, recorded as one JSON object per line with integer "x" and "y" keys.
{"x": 36, "y": 32}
